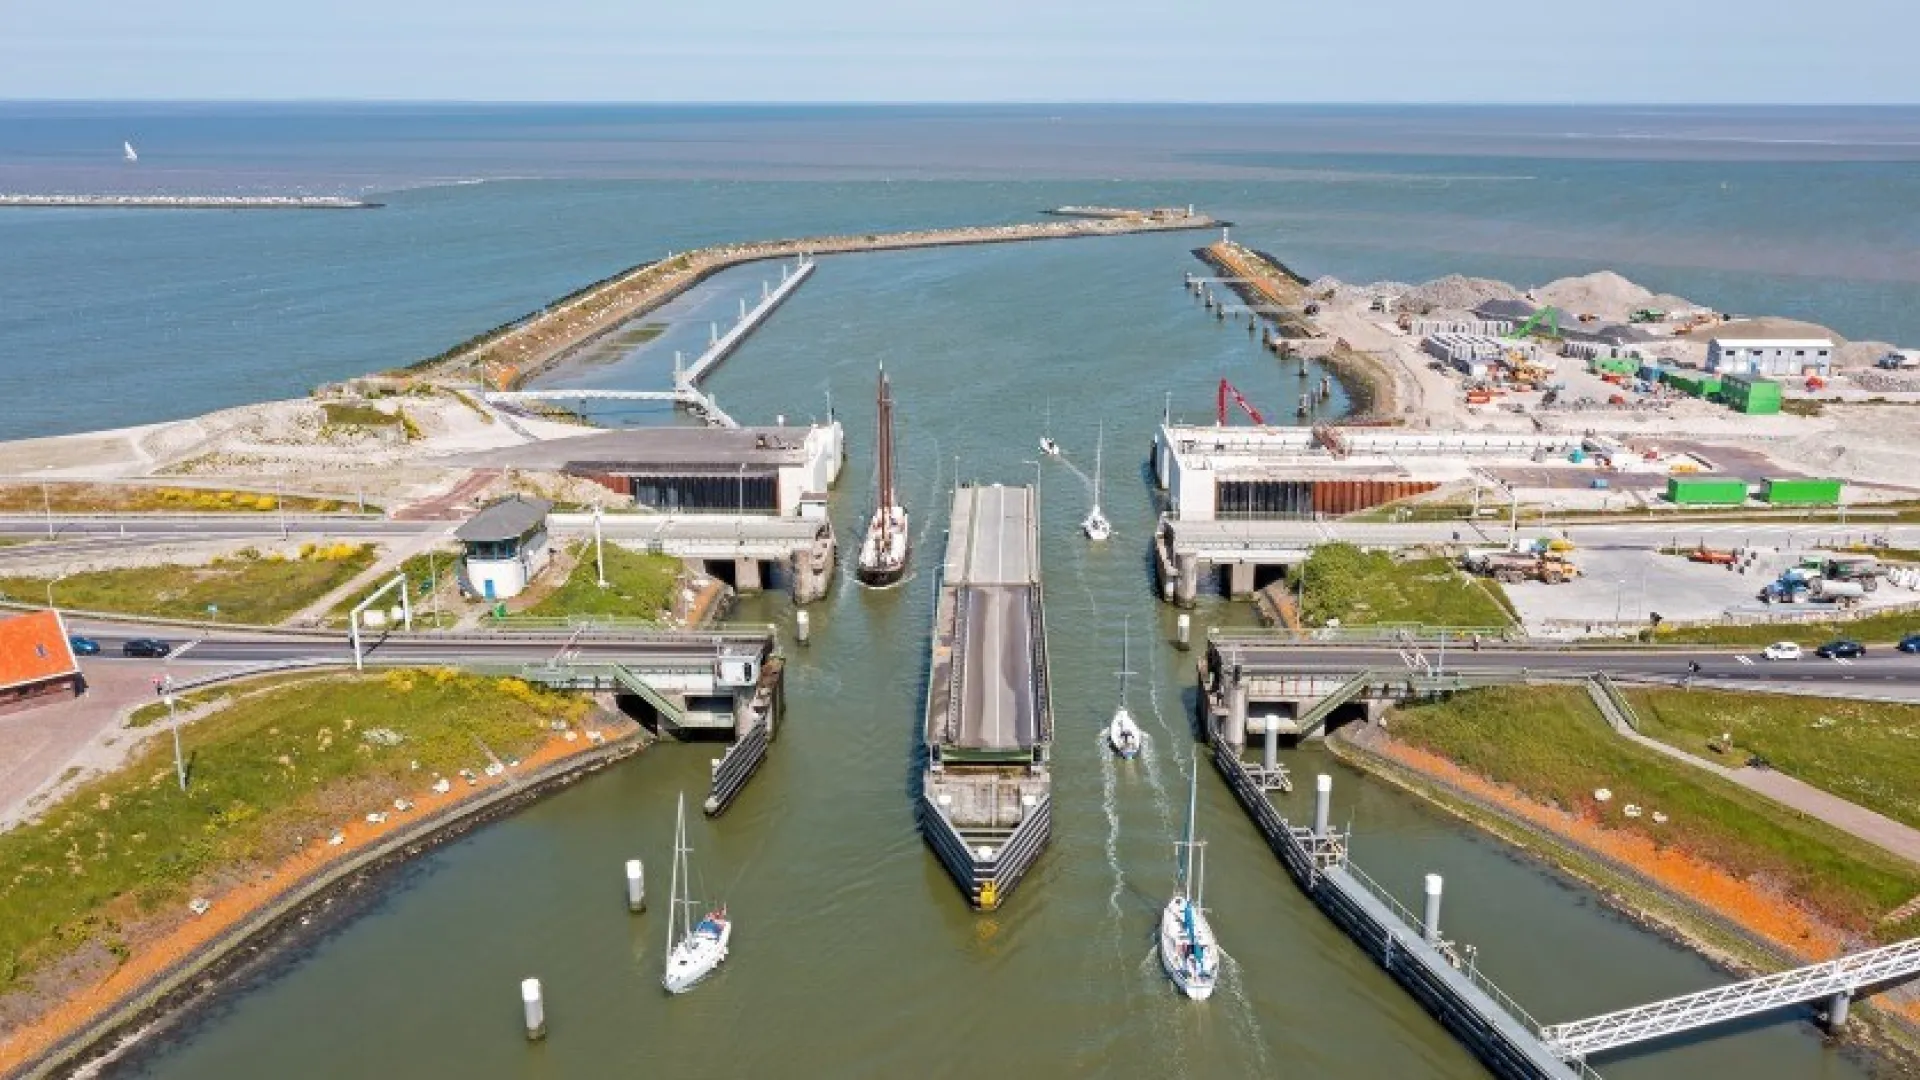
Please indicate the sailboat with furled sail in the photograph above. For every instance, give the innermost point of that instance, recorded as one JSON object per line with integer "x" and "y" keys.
{"x": 883, "y": 552}
{"x": 1188, "y": 949}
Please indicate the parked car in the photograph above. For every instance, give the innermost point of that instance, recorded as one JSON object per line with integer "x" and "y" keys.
{"x": 1910, "y": 643}
{"x": 83, "y": 646}
{"x": 146, "y": 646}
{"x": 1842, "y": 649}
{"x": 1782, "y": 650}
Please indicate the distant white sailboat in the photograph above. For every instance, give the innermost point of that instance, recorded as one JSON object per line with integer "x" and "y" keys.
{"x": 1123, "y": 735}
{"x": 1047, "y": 445}
{"x": 703, "y": 945}
{"x": 1096, "y": 525}
{"x": 126, "y": 149}
{"x": 1188, "y": 950}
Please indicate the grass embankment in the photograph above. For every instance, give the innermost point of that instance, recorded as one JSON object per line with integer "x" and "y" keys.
{"x": 1549, "y": 744}
{"x": 1361, "y": 587}
{"x": 68, "y": 498}
{"x": 1867, "y": 752}
{"x": 270, "y": 774}
{"x": 639, "y": 585}
{"x": 428, "y": 573}
{"x": 352, "y": 416}
{"x": 1887, "y": 626}
{"x": 246, "y": 588}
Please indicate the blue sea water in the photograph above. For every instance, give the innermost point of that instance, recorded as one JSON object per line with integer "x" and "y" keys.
{"x": 110, "y": 318}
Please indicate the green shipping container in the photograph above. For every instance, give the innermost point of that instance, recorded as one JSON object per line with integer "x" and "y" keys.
{"x": 1706, "y": 491}
{"x": 1615, "y": 365}
{"x": 1692, "y": 383}
{"x": 1751, "y": 394}
{"x": 1801, "y": 492}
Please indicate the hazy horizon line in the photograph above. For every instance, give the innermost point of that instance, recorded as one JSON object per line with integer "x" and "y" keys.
{"x": 878, "y": 103}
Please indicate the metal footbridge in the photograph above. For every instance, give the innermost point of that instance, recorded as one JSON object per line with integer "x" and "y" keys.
{"x": 1834, "y": 982}
{"x": 686, "y": 381}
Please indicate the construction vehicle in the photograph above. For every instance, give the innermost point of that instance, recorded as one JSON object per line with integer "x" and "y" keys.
{"x": 1647, "y": 315}
{"x": 1545, "y": 323}
{"x": 1508, "y": 567}
{"x": 1864, "y": 569}
{"x": 1220, "y": 405}
{"x": 1712, "y": 556}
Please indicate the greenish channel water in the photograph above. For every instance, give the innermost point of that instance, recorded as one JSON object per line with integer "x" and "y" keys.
{"x": 853, "y": 954}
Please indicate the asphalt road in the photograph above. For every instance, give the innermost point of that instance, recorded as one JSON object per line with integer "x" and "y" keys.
{"x": 1883, "y": 672}
{"x": 228, "y": 648}
{"x": 209, "y": 526}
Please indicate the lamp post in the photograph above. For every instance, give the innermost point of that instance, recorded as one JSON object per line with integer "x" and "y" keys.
{"x": 51, "y": 582}
{"x": 173, "y": 721}
{"x": 599, "y": 553}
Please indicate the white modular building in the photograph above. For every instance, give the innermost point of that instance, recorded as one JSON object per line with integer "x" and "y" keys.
{"x": 1770, "y": 356}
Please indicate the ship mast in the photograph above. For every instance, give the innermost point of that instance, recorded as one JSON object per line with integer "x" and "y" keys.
{"x": 885, "y": 443}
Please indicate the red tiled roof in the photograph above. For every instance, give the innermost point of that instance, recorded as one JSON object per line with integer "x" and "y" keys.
{"x": 34, "y": 648}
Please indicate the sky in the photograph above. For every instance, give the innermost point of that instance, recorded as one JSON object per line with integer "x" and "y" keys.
{"x": 1734, "y": 51}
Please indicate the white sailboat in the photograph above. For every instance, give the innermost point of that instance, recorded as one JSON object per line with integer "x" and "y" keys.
{"x": 1123, "y": 735}
{"x": 701, "y": 946}
{"x": 1096, "y": 525}
{"x": 1047, "y": 445}
{"x": 127, "y": 151}
{"x": 1188, "y": 950}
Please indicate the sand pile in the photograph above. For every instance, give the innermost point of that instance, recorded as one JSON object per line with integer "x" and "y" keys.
{"x": 1767, "y": 327}
{"x": 1607, "y": 295}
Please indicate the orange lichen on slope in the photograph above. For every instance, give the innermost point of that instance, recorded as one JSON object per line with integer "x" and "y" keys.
{"x": 1754, "y": 907}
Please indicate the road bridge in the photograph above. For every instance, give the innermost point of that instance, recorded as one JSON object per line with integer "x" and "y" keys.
{"x": 704, "y": 684}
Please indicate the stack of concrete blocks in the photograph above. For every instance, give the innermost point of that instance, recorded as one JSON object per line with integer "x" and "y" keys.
{"x": 1486, "y": 327}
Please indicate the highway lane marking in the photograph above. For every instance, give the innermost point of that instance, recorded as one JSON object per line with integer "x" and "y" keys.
{"x": 1747, "y": 660}
{"x": 184, "y": 649}
{"x": 1842, "y": 661}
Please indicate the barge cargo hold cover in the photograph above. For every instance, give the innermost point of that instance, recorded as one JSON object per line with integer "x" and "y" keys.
{"x": 985, "y": 802}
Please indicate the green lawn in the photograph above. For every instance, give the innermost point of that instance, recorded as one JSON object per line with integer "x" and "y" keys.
{"x": 639, "y": 585}
{"x": 268, "y": 774}
{"x": 254, "y": 589}
{"x": 355, "y": 414}
{"x": 1551, "y": 743}
{"x": 1867, "y": 752}
{"x": 1884, "y": 627}
{"x": 1356, "y": 587}
{"x": 439, "y": 565}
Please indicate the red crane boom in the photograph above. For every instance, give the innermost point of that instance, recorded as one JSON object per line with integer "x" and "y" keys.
{"x": 1220, "y": 405}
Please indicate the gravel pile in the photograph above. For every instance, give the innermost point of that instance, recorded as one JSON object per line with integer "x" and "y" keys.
{"x": 1884, "y": 382}
{"x": 1860, "y": 354}
{"x": 1457, "y": 292}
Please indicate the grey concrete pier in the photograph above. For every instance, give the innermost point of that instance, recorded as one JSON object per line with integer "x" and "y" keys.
{"x": 986, "y": 802}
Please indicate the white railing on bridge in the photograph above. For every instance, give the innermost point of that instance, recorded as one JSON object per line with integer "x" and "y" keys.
{"x": 1579, "y": 1038}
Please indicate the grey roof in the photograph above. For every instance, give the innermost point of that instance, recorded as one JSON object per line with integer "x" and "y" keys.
{"x": 1517, "y": 310}
{"x": 509, "y": 519}
{"x": 653, "y": 447}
